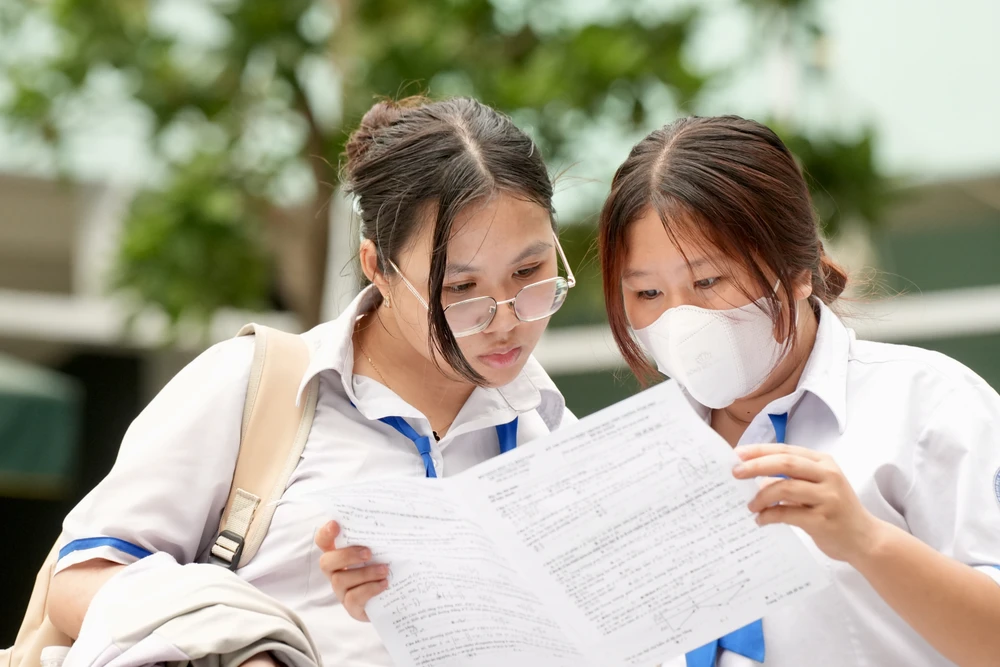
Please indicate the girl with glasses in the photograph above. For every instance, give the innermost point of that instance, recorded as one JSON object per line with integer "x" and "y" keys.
{"x": 427, "y": 373}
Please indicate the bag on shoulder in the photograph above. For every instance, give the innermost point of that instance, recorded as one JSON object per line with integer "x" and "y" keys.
{"x": 271, "y": 443}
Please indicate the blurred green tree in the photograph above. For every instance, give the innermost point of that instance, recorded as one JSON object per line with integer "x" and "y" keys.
{"x": 236, "y": 117}
{"x": 249, "y": 103}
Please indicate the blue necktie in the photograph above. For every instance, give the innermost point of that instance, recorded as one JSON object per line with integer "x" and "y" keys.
{"x": 780, "y": 424}
{"x": 748, "y": 641}
{"x": 506, "y": 433}
{"x": 422, "y": 442}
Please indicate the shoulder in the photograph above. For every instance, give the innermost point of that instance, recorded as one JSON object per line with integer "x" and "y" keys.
{"x": 942, "y": 393}
{"x": 915, "y": 369}
{"x": 218, "y": 376}
{"x": 204, "y": 401}
{"x": 228, "y": 360}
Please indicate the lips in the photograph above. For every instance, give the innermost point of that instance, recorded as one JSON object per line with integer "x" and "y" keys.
{"x": 502, "y": 358}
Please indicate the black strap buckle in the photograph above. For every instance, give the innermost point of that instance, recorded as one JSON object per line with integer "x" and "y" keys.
{"x": 218, "y": 560}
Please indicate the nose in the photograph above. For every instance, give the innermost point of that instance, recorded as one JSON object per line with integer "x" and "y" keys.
{"x": 668, "y": 300}
{"x": 504, "y": 319}
{"x": 675, "y": 298}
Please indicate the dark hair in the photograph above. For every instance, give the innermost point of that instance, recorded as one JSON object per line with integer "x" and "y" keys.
{"x": 731, "y": 182}
{"x": 413, "y": 160}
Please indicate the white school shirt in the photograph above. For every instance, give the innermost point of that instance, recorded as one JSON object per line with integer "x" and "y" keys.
{"x": 169, "y": 485}
{"x": 917, "y": 435}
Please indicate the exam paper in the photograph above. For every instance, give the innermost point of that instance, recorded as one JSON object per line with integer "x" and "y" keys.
{"x": 453, "y": 599}
{"x": 621, "y": 540}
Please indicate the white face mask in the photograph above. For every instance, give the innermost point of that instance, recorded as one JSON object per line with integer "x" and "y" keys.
{"x": 718, "y": 356}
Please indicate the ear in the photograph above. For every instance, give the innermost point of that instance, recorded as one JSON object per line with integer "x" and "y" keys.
{"x": 368, "y": 254}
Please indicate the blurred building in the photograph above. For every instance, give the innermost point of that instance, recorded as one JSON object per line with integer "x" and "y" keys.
{"x": 72, "y": 375}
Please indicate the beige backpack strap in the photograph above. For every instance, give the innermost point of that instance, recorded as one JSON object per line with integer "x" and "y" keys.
{"x": 274, "y": 432}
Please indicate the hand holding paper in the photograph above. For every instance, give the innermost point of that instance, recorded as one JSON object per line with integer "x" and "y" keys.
{"x": 354, "y": 579}
{"x": 621, "y": 540}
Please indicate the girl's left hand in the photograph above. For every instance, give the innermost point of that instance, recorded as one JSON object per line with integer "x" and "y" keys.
{"x": 816, "y": 497}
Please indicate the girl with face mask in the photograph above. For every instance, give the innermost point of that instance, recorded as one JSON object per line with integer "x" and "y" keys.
{"x": 882, "y": 457}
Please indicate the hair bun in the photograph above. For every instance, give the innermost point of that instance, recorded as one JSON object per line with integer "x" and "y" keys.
{"x": 382, "y": 115}
{"x": 834, "y": 278}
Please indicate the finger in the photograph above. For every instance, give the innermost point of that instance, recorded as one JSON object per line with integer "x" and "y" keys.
{"x": 344, "y": 580}
{"x": 748, "y": 452}
{"x": 327, "y": 535}
{"x": 801, "y": 517}
{"x": 339, "y": 559}
{"x": 356, "y": 598}
{"x": 794, "y": 491}
{"x": 764, "y": 482}
{"x": 777, "y": 465}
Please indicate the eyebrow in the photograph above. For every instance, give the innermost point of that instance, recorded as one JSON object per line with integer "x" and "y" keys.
{"x": 536, "y": 248}
{"x": 631, "y": 274}
{"x": 704, "y": 261}
{"x": 634, "y": 273}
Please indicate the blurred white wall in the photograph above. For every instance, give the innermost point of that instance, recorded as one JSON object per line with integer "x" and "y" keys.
{"x": 925, "y": 73}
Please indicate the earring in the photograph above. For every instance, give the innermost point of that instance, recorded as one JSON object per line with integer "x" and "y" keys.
{"x": 386, "y": 301}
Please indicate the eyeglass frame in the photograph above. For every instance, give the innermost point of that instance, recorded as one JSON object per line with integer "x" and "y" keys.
{"x": 570, "y": 283}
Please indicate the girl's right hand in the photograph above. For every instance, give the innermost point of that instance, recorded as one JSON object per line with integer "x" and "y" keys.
{"x": 353, "y": 585}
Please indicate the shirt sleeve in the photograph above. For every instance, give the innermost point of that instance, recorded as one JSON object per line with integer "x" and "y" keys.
{"x": 169, "y": 484}
{"x": 954, "y": 501}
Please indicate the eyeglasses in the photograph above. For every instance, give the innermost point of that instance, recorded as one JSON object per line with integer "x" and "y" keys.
{"x": 532, "y": 303}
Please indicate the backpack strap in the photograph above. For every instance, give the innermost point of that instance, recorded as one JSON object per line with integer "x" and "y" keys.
{"x": 274, "y": 432}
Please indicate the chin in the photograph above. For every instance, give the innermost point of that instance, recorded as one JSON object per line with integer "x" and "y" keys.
{"x": 497, "y": 377}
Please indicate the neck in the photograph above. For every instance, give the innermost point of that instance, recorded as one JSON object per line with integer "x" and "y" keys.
{"x": 382, "y": 353}
{"x": 733, "y": 421}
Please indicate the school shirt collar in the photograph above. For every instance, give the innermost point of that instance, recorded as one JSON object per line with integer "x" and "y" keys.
{"x": 332, "y": 349}
{"x": 825, "y": 373}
